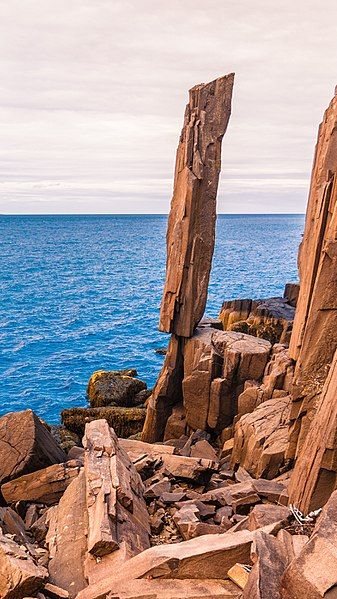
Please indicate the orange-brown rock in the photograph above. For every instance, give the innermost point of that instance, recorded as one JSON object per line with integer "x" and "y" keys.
{"x": 67, "y": 538}
{"x": 314, "y": 337}
{"x": 267, "y": 513}
{"x": 175, "y": 589}
{"x": 114, "y": 494}
{"x": 313, "y": 573}
{"x": 315, "y": 473}
{"x": 26, "y": 445}
{"x": 20, "y": 576}
{"x": 208, "y": 556}
{"x": 261, "y": 439}
{"x": 216, "y": 366}
{"x": 270, "y": 561}
{"x": 191, "y": 225}
{"x": 43, "y": 486}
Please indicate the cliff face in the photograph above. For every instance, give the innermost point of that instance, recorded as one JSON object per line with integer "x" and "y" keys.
{"x": 314, "y": 337}
{"x": 191, "y": 224}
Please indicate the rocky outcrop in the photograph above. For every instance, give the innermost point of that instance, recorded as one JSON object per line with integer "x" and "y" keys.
{"x": 125, "y": 421}
{"x": 270, "y": 319}
{"x": 314, "y": 337}
{"x": 191, "y": 225}
{"x": 114, "y": 388}
{"x": 26, "y": 445}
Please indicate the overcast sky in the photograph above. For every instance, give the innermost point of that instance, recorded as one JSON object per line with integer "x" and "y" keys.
{"x": 92, "y": 94}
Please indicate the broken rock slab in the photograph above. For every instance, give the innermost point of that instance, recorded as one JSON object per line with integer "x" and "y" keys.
{"x": 26, "y": 445}
{"x": 19, "y": 574}
{"x": 67, "y": 538}
{"x": 261, "y": 439}
{"x": 175, "y": 589}
{"x": 43, "y": 486}
{"x": 208, "y": 556}
{"x": 114, "y": 495}
{"x": 191, "y": 224}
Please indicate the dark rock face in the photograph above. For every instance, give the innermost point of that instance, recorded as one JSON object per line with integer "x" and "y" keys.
{"x": 125, "y": 421}
{"x": 113, "y": 388}
{"x": 26, "y": 445}
{"x": 191, "y": 225}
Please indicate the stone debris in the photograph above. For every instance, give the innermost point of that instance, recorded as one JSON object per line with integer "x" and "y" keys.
{"x": 20, "y": 576}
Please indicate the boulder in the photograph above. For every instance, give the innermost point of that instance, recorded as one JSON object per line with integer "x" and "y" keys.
{"x": 67, "y": 538}
{"x": 125, "y": 421}
{"x": 43, "y": 486}
{"x": 261, "y": 439}
{"x": 313, "y": 573}
{"x": 314, "y": 337}
{"x": 107, "y": 388}
{"x": 191, "y": 224}
{"x": 270, "y": 561}
{"x": 265, "y": 513}
{"x": 20, "y": 576}
{"x": 26, "y": 445}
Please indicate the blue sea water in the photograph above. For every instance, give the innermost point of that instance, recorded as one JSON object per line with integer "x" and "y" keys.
{"x": 82, "y": 293}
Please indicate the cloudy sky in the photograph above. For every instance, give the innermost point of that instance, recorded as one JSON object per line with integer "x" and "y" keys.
{"x": 92, "y": 94}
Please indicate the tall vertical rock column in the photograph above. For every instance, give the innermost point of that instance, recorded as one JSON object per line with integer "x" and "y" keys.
{"x": 314, "y": 337}
{"x": 190, "y": 238}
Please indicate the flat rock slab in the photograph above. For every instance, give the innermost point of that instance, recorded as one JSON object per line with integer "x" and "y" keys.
{"x": 174, "y": 589}
{"x": 19, "y": 575}
{"x": 43, "y": 486}
{"x": 26, "y": 445}
{"x": 208, "y": 556}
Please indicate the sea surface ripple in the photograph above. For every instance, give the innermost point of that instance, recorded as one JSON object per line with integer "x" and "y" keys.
{"x": 82, "y": 293}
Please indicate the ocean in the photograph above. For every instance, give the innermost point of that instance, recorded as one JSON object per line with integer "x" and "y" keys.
{"x": 82, "y": 293}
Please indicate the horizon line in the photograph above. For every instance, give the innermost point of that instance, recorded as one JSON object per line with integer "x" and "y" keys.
{"x": 145, "y": 214}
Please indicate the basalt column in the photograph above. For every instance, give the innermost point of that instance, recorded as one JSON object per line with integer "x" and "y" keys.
{"x": 314, "y": 337}
{"x": 190, "y": 237}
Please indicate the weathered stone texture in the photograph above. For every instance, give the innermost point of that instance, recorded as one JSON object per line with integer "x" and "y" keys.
{"x": 314, "y": 337}
{"x": 191, "y": 225}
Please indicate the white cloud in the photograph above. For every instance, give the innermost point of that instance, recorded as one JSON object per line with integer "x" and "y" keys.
{"x": 92, "y": 94}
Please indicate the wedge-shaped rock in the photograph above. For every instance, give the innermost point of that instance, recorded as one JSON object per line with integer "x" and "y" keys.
{"x": 261, "y": 439}
{"x": 267, "y": 513}
{"x": 191, "y": 226}
{"x": 208, "y": 556}
{"x": 19, "y": 575}
{"x": 44, "y": 486}
{"x": 26, "y": 445}
{"x": 270, "y": 561}
{"x": 315, "y": 473}
{"x": 137, "y": 449}
{"x": 114, "y": 494}
{"x": 314, "y": 571}
{"x": 195, "y": 469}
{"x": 67, "y": 538}
{"x": 175, "y": 589}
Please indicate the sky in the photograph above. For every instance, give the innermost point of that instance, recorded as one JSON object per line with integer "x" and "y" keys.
{"x": 92, "y": 95}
